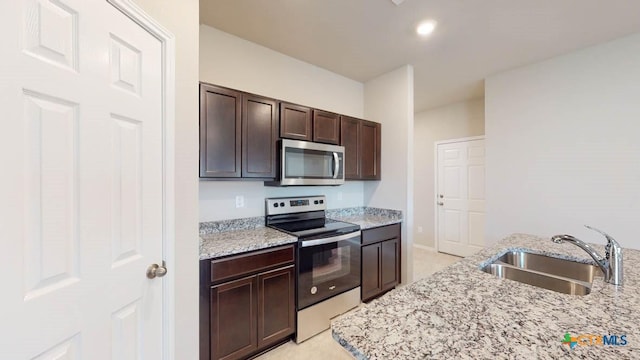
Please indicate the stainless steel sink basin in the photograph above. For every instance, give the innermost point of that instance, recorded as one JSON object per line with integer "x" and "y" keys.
{"x": 551, "y": 265}
{"x": 558, "y": 284}
{"x": 564, "y": 276}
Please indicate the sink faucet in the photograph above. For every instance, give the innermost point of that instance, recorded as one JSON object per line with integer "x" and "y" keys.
{"x": 611, "y": 264}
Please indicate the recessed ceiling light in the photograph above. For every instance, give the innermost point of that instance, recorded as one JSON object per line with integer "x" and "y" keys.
{"x": 426, "y": 27}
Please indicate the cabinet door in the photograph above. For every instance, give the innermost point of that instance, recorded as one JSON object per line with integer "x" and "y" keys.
{"x": 326, "y": 127}
{"x": 276, "y": 305}
{"x": 370, "y": 150}
{"x": 259, "y": 137}
{"x": 370, "y": 271}
{"x": 295, "y": 122}
{"x": 233, "y": 319}
{"x": 390, "y": 263}
{"x": 220, "y": 130}
{"x": 350, "y": 139}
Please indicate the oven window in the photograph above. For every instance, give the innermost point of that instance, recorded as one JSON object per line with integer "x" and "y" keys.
{"x": 326, "y": 270}
{"x": 330, "y": 264}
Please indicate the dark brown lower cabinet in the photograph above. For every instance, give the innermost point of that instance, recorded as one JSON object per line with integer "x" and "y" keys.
{"x": 234, "y": 307}
{"x": 371, "y": 285}
{"x": 251, "y": 312}
{"x": 380, "y": 260}
{"x": 277, "y": 295}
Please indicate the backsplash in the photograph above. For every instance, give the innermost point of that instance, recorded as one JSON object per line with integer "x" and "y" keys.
{"x": 217, "y": 198}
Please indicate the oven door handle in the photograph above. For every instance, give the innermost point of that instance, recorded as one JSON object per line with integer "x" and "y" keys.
{"x": 329, "y": 240}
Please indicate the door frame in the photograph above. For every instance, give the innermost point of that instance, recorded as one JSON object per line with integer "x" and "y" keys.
{"x": 435, "y": 182}
{"x": 167, "y": 43}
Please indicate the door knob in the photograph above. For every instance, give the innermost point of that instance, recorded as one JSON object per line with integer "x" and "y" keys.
{"x": 155, "y": 270}
{"x": 440, "y": 203}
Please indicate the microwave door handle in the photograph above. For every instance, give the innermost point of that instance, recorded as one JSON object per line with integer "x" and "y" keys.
{"x": 336, "y": 165}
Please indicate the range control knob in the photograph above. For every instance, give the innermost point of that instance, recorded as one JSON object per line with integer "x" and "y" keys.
{"x": 314, "y": 290}
{"x": 275, "y": 204}
{"x": 315, "y": 202}
{"x": 321, "y": 201}
{"x": 281, "y": 204}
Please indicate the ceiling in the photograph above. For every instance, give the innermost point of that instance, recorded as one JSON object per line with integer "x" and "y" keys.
{"x": 362, "y": 39}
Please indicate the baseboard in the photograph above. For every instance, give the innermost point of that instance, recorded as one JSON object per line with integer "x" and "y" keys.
{"x": 424, "y": 247}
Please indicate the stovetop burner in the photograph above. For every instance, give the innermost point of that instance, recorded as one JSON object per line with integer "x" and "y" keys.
{"x": 306, "y": 230}
{"x": 304, "y": 217}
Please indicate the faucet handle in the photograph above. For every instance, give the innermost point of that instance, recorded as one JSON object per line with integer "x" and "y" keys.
{"x": 610, "y": 240}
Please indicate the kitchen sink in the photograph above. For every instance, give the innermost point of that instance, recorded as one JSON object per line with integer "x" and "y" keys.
{"x": 564, "y": 276}
{"x": 551, "y": 265}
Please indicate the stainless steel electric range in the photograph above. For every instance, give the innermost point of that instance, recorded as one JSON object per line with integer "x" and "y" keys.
{"x": 328, "y": 260}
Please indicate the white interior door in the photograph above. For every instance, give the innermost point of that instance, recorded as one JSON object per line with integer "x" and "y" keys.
{"x": 81, "y": 216}
{"x": 460, "y": 197}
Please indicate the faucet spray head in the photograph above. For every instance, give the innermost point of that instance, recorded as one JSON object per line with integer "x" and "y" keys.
{"x": 559, "y": 239}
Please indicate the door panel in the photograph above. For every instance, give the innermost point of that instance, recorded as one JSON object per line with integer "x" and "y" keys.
{"x": 390, "y": 269}
{"x": 233, "y": 318}
{"x": 220, "y": 132}
{"x": 461, "y": 196}
{"x": 259, "y": 137}
{"x": 83, "y": 208}
{"x": 371, "y": 285}
{"x": 326, "y": 127}
{"x": 295, "y": 122}
{"x": 350, "y": 139}
{"x": 276, "y": 312}
{"x": 370, "y": 150}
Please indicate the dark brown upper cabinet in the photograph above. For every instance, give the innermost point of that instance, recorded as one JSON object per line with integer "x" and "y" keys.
{"x": 303, "y": 123}
{"x": 238, "y": 134}
{"x": 295, "y": 122}
{"x": 350, "y": 135}
{"x": 326, "y": 127}
{"x": 220, "y": 132}
{"x": 370, "y": 138}
{"x": 362, "y": 142}
{"x": 259, "y": 136}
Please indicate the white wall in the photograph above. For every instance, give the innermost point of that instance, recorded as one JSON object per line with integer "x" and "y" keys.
{"x": 233, "y": 62}
{"x": 182, "y": 18}
{"x": 453, "y": 121}
{"x": 563, "y": 145}
{"x": 217, "y": 198}
{"x": 388, "y": 99}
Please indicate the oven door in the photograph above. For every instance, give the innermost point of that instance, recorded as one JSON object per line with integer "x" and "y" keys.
{"x": 307, "y": 163}
{"x": 327, "y": 267}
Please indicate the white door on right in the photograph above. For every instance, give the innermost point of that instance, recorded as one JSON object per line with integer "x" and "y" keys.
{"x": 460, "y": 197}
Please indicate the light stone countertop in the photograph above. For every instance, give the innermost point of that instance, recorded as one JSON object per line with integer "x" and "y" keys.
{"x": 238, "y": 241}
{"x": 366, "y": 217}
{"x": 230, "y": 237}
{"x": 462, "y": 312}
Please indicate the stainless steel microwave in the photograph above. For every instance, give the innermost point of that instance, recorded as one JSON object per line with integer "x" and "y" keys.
{"x": 309, "y": 163}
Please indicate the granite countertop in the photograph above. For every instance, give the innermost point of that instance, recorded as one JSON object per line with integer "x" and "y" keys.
{"x": 229, "y": 237}
{"x": 366, "y": 217}
{"x": 462, "y": 312}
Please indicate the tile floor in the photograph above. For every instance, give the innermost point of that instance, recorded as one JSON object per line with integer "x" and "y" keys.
{"x": 323, "y": 347}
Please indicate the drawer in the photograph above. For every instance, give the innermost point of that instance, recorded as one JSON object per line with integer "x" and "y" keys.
{"x": 250, "y": 263}
{"x": 378, "y": 234}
